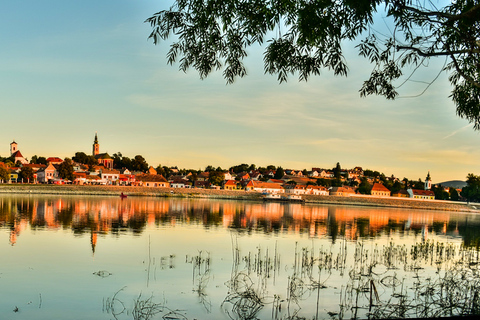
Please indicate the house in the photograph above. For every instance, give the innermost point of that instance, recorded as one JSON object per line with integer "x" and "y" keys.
{"x": 180, "y": 183}
{"x": 151, "y": 170}
{"x": 203, "y": 176}
{"x": 421, "y": 194}
{"x": 380, "y": 190}
{"x": 126, "y": 179}
{"x": 93, "y": 179}
{"x": 316, "y": 190}
{"x": 202, "y": 184}
{"x": 109, "y": 176}
{"x": 54, "y": 160}
{"x": 264, "y": 187}
{"x": 243, "y": 176}
{"x": 230, "y": 185}
{"x": 401, "y": 194}
{"x": 48, "y": 174}
{"x": 342, "y": 191}
{"x": 295, "y": 189}
{"x": 151, "y": 180}
{"x": 80, "y": 178}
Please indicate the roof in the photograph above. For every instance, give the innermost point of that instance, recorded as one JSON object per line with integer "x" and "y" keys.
{"x": 54, "y": 159}
{"x": 108, "y": 171}
{"x": 418, "y": 192}
{"x": 17, "y": 154}
{"x": 379, "y": 187}
{"x": 103, "y": 156}
{"x": 231, "y": 183}
{"x": 343, "y": 189}
{"x": 150, "y": 178}
{"x": 267, "y": 185}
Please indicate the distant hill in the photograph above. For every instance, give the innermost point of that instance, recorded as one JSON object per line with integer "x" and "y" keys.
{"x": 457, "y": 184}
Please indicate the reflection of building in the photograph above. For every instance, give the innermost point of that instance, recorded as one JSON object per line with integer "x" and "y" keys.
{"x": 97, "y": 216}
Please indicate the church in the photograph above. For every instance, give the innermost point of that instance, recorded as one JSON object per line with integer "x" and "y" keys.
{"x": 102, "y": 158}
{"x": 16, "y": 154}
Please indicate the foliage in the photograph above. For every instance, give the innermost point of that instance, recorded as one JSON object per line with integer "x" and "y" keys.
{"x": 279, "y": 173}
{"x": 454, "y": 196}
{"x": 364, "y": 187}
{"x": 440, "y": 193}
{"x": 4, "y": 174}
{"x": 216, "y": 177}
{"x": 324, "y": 182}
{"x": 139, "y": 164}
{"x": 38, "y": 160}
{"x": 337, "y": 171}
{"x": 472, "y": 191}
{"x": 83, "y": 158}
{"x": 242, "y": 168}
{"x": 65, "y": 170}
{"x": 26, "y": 174}
{"x": 308, "y": 36}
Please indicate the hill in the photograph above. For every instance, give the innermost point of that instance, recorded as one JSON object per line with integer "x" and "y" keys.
{"x": 457, "y": 184}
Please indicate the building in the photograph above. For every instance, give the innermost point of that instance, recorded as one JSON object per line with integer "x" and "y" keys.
{"x": 16, "y": 154}
{"x": 379, "y": 190}
{"x": 421, "y": 194}
{"x": 265, "y": 187}
{"x": 428, "y": 182}
{"x": 102, "y": 158}
{"x": 342, "y": 191}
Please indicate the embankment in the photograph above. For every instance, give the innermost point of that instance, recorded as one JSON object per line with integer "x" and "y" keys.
{"x": 232, "y": 195}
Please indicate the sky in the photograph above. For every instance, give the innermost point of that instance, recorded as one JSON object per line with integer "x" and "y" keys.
{"x": 70, "y": 69}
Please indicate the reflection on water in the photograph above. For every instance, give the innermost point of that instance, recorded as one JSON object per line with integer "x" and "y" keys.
{"x": 117, "y": 216}
{"x": 148, "y": 258}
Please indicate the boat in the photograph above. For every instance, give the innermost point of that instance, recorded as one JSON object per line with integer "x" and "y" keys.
{"x": 272, "y": 196}
{"x": 122, "y": 196}
{"x": 278, "y": 197}
{"x": 294, "y": 198}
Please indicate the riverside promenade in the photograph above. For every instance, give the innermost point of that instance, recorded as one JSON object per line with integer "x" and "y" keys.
{"x": 388, "y": 202}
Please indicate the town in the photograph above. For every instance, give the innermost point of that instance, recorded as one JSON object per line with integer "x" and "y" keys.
{"x": 103, "y": 169}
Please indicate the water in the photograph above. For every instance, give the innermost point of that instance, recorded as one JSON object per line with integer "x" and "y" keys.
{"x": 147, "y": 258}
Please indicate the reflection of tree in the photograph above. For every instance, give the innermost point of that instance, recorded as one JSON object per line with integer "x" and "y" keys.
{"x": 100, "y": 215}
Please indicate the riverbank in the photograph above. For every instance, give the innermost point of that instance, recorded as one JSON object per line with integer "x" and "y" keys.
{"x": 232, "y": 195}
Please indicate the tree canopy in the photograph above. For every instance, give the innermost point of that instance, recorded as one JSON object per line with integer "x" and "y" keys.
{"x": 304, "y": 36}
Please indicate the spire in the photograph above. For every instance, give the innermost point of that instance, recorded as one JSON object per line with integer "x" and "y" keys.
{"x": 428, "y": 182}
{"x": 96, "y": 146}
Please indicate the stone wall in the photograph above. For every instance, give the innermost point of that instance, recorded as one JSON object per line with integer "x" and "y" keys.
{"x": 230, "y": 194}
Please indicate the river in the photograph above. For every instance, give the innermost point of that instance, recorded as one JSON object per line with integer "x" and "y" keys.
{"x": 87, "y": 257}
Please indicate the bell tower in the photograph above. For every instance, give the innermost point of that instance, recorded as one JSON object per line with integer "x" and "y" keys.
{"x": 96, "y": 146}
{"x": 428, "y": 182}
{"x": 13, "y": 147}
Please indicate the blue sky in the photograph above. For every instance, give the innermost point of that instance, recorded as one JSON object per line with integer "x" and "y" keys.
{"x": 70, "y": 69}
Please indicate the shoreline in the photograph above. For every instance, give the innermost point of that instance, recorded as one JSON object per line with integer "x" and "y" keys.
{"x": 364, "y": 201}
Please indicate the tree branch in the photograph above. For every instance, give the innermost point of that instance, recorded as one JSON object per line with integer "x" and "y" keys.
{"x": 436, "y": 54}
{"x": 466, "y": 77}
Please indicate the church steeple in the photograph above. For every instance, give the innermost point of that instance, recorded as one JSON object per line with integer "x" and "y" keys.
{"x": 96, "y": 146}
{"x": 13, "y": 147}
{"x": 428, "y": 182}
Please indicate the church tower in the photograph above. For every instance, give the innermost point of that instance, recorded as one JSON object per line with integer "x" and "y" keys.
{"x": 428, "y": 182}
{"x": 96, "y": 146}
{"x": 13, "y": 147}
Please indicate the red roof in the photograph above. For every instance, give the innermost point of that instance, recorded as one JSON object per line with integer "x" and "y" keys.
{"x": 419, "y": 192}
{"x": 17, "y": 154}
{"x": 54, "y": 159}
{"x": 231, "y": 183}
{"x": 379, "y": 187}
